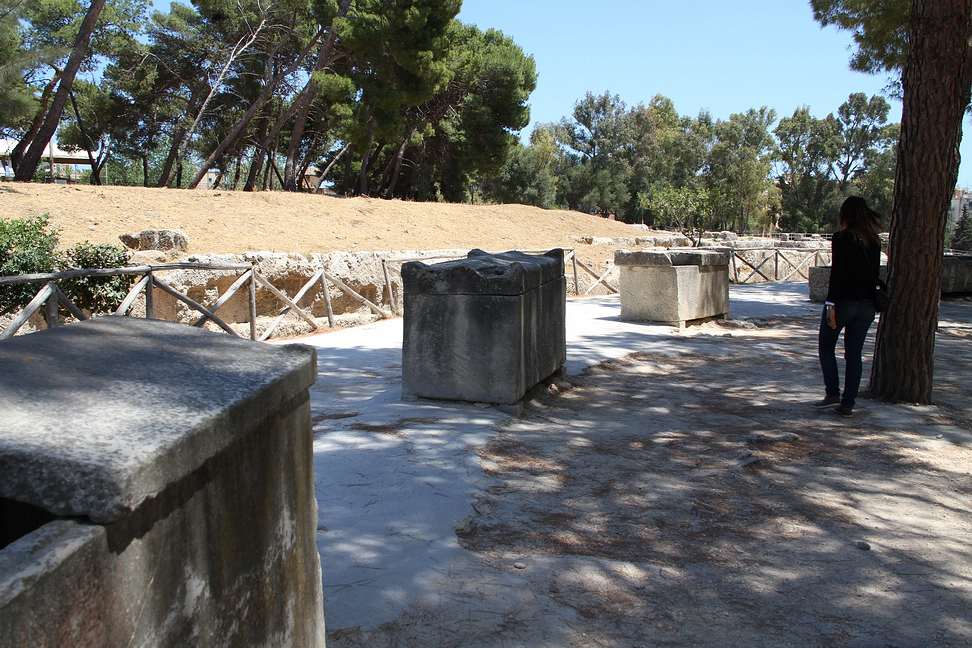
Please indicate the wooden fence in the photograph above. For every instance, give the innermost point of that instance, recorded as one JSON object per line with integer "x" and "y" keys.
{"x": 778, "y": 265}
{"x": 789, "y": 263}
{"x": 50, "y": 296}
{"x": 781, "y": 265}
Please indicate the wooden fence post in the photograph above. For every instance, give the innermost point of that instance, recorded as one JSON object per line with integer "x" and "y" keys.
{"x": 252, "y": 295}
{"x": 149, "y": 299}
{"x": 52, "y": 321}
{"x": 391, "y": 291}
{"x": 327, "y": 301}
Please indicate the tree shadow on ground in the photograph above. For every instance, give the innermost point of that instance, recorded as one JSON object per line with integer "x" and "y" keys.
{"x": 711, "y": 510}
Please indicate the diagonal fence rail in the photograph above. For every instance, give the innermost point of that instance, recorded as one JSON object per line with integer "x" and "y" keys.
{"x": 781, "y": 265}
{"x": 50, "y": 297}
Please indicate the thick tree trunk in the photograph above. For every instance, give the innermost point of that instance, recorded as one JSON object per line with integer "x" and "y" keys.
{"x": 45, "y": 100}
{"x": 936, "y": 85}
{"x": 32, "y": 156}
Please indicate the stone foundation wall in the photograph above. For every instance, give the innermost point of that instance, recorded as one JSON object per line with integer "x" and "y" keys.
{"x": 956, "y": 276}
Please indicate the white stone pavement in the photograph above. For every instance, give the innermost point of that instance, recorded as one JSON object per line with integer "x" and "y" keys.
{"x": 394, "y": 476}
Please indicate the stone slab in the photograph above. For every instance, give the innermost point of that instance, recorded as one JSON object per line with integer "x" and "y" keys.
{"x": 95, "y": 417}
{"x": 671, "y": 257}
{"x": 485, "y": 328}
{"x": 481, "y": 273}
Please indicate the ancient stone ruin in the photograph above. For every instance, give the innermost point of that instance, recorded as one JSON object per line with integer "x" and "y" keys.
{"x": 158, "y": 489}
{"x": 485, "y": 328}
{"x": 674, "y": 287}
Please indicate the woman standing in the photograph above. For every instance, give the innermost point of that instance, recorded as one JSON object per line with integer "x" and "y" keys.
{"x": 856, "y": 261}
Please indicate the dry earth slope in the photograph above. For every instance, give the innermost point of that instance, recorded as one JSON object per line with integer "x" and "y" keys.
{"x": 234, "y": 221}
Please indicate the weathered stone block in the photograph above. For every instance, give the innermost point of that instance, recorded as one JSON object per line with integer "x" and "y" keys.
{"x": 485, "y": 328}
{"x": 956, "y": 277}
{"x": 178, "y": 464}
{"x": 673, "y": 287}
{"x": 157, "y": 240}
{"x": 957, "y": 273}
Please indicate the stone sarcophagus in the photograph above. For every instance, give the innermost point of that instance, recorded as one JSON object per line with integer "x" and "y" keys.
{"x": 485, "y": 328}
{"x": 156, "y": 489}
{"x": 673, "y": 287}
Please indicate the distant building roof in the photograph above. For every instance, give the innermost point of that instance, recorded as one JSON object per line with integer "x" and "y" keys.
{"x": 60, "y": 155}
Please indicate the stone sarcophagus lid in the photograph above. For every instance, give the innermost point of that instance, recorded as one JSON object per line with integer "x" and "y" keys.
{"x": 485, "y": 328}
{"x": 673, "y": 287}
{"x": 156, "y": 489}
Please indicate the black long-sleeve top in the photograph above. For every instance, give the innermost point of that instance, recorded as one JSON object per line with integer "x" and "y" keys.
{"x": 853, "y": 273}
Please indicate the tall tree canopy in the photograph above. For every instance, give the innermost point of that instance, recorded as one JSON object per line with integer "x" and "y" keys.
{"x": 821, "y": 161}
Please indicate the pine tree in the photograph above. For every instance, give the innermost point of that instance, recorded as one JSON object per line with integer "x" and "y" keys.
{"x": 962, "y": 238}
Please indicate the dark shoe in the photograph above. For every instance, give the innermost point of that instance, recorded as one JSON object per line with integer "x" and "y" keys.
{"x": 828, "y": 401}
{"x": 846, "y": 412}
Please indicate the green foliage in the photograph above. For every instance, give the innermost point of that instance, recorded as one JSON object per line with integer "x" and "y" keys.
{"x": 962, "y": 237}
{"x": 526, "y": 178}
{"x": 463, "y": 132}
{"x": 688, "y": 210}
{"x": 822, "y": 161}
{"x": 880, "y": 29}
{"x": 595, "y": 178}
{"x": 29, "y": 246}
{"x": 738, "y": 170}
{"x": 26, "y": 247}
{"x": 16, "y": 99}
{"x": 96, "y": 294}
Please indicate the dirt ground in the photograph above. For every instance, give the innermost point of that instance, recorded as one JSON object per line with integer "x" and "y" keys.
{"x": 692, "y": 497}
{"x": 236, "y": 221}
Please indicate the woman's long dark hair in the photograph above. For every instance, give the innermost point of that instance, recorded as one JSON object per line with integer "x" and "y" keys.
{"x": 860, "y": 220}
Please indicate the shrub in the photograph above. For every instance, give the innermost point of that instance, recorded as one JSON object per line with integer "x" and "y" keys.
{"x": 29, "y": 246}
{"x": 26, "y": 247}
{"x": 962, "y": 237}
{"x": 96, "y": 294}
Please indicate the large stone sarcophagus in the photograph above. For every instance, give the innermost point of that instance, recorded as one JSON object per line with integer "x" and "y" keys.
{"x": 485, "y": 328}
{"x": 673, "y": 287}
{"x": 157, "y": 489}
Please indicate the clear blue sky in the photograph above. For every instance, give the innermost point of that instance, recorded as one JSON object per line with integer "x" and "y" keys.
{"x": 719, "y": 56}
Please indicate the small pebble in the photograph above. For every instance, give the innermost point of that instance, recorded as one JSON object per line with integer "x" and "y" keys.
{"x": 519, "y": 565}
{"x": 863, "y": 545}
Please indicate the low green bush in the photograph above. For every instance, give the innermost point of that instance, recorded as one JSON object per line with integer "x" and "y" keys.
{"x": 96, "y": 294}
{"x": 27, "y": 246}
{"x": 30, "y": 246}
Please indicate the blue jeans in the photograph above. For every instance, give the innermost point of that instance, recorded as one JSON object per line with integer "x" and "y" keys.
{"x": 854, "y": 318}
